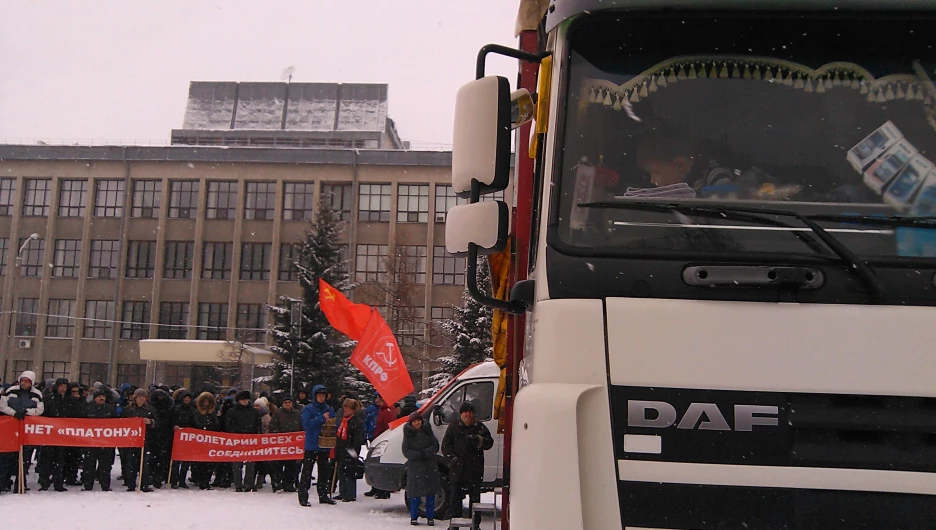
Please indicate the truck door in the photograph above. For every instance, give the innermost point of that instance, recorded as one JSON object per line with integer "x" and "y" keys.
{"x": 481, "y": 394}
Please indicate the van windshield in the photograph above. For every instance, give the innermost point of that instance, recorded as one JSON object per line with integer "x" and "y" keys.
{"x": 815, "y": 114}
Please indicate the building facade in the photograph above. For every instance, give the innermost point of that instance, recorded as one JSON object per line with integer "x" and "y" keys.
{"x": 188, "y": 242}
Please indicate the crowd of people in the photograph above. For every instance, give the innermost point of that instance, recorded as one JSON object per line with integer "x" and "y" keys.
{"x": 336, "y": 431}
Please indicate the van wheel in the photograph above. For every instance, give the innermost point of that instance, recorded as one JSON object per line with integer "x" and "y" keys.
{"x": 442, "y": 499}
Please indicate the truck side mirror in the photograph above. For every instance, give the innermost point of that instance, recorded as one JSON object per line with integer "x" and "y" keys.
{"x": 481, "y": 136}
{"x": 486, "y": 224}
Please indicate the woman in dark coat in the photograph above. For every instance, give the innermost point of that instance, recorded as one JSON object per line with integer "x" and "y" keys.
{"x": 420, "y": 446}
{"x": 350, "y": 438}
{"x": 204, "y": 419}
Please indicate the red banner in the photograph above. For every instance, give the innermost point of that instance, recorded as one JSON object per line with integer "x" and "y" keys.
{"x": 378, "y": 357}
{"x": 67, "y": 432}
{"x": 193, "y": 445}
{"x": 343, "y": 315}
{"x": 9, "y": 434}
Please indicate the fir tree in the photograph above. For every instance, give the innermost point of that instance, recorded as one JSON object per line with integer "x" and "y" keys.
{"x": 470, "y": 332}
{"x": 321, "y": 353}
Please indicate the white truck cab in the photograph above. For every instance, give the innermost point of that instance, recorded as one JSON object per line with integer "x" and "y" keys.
{"x": 385, "y": 466}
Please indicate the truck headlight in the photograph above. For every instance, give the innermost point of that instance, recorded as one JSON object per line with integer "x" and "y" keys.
{"x": 378, "y": 449}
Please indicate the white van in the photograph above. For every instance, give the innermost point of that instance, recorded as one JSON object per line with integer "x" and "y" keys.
{"x": 385, "y": 466}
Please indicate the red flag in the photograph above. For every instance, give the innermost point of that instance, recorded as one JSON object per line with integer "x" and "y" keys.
{"x": 378, "y": 357}
{"x": 344, "y": 315}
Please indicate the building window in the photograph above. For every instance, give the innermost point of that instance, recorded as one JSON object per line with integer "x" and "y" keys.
{"x": 173, "y": 320}
{"x": 7, "y": 194}
{"x": 438, "y": 316}
{"x": 55, "y": 369}
{"x": 212, "y": 321}
{"x": 36, "y": 197}
{"x": 410, "y": 325}
{"x": 414, "y": 262}
{"x": 178, "y": 260}
{"x": 135, "y": 320}
{"x": 67, "y": 259}
{"x": 27, "y": 317}
{"x": 90, "y": 373}
{"x": 289, "y": 255}
{"x": 255, "y": 261}
{"x": 132, "y": 374}
{"x": 176, "y": 374}
{"x": 60, "y": 322}
{"x": 444, "y": 201}
{"x": 375, "y": 202}
{"x": 33, "y": 256}
{"x": 105, "y": 258}
{"x": 141, "y": 259}
{"x": 217, "y": 260}
{"x": 496, "y": 196}
{"x": 340, "y": 199}
{"x": 371, "y": 263}
{"x": 183, "y": 199}
{"x": 298, "y": 201}
{"x": 108, "y": 198}
{"x": 446, "y": 268}
{"x": 413, "y": 203}
{"x": 72, "y": 198}
{"x": 442, "y": 314}
{"x": 4, "y": 245}
{"x": 21, "y": 366}
{"x": 251, "y": 322}
{"x": 146, "y": 197}
{"x": 261, "y": 200}
{"x": 222, "y": 200}
{"x": 99, "y": 316}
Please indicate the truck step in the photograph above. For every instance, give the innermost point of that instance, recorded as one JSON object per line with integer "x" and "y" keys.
{"x": 460, "y": 523}
{"x": 484, "y": 507}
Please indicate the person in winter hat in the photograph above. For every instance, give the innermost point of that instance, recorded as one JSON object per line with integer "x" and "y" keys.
{"x": 162, "y": 403}
{"x": 184, "y": 415}
{"x": 286, "y": 419}
{"x": 52, "y": 458}
{"x": 243, "y": 419}
{"x": 19, "y": 401}
{"x": 464, "y": 444}
{"x": 139, "y": 408}
{"x": 409, "y": 406}
{"x": 314, "y": 416}
{"x": 204, "y": 419}
{"x": 98, "y": 461}
{"x": 420, "y": 446}
{"x": 349, "y": 439}
{"x": 73, "y": 455}
{"x": 261, "y": 469}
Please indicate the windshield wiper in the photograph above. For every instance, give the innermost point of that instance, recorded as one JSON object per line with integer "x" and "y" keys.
{"x": 740, "y": 213}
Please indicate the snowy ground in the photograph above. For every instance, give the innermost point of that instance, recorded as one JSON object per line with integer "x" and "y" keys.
{"x": 198, "y": 510}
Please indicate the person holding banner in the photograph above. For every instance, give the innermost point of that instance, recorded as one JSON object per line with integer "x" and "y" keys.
{"x": 138, "y": 408}
{"x": 184, "y": 416}
{"x": 19, "y": 401}
{"x": 314, "y": 415}
{"x": 204, "y": 419}
{"x": 98, "y": 461}
{"x": 286, "y": 419}
{"x": 52, "y": 458}
{"x": 243, "y": 419}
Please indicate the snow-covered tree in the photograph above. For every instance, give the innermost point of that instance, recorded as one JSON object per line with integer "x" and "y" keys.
{"x": 321, "y": 352}
{"x": 470, "y": 332}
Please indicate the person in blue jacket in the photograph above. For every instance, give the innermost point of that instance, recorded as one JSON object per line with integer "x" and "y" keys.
{"x": 314, "y": 416}
{"x": 370, "y": 420}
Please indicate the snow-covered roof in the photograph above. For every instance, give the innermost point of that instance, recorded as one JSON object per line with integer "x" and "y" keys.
{"x": 485, "y": 369}
{"x": 218, "y": 105}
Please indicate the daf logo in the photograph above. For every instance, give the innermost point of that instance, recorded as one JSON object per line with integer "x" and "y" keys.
{"x": 703, "y": 416}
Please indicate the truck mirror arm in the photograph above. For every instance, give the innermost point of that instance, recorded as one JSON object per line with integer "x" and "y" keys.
{"x": 507, "y": 52}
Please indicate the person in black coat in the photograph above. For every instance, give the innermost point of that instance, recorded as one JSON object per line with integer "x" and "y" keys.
{"x": 184, "y": 417}
{"x": 52, "y": 458}
{"x": 74, "y": 456}
{"x": 420, "y": 446}
{"x": 243, "y": 419}
{"x": 464, "y": 444}
{"x": 98, "y": 461}
{"x": 350, "y": 437}
{"x": 287, "y": 418}
{"x": 205, "y": 419}
{"x": 163, "y": 433}
{"x": 138, "y": 408}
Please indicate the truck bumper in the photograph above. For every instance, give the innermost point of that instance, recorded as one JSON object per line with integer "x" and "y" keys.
{"x": 387, "y": 477}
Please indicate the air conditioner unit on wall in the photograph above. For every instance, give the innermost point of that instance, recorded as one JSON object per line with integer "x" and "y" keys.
{"x": 440, "y": 217}
{"x": 25, "y": 343}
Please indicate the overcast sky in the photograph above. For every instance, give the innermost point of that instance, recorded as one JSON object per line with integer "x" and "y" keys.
{"x": 120, "y": 70}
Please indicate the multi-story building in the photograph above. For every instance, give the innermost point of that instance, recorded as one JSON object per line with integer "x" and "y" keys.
{"x": 192, "y": 242}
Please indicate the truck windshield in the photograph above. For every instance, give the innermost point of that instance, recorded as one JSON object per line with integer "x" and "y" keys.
{"x": 827, "y": 116}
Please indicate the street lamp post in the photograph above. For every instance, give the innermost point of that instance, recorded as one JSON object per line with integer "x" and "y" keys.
{"x": 13, "y": 289}
{"x": 295, "y": 331}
